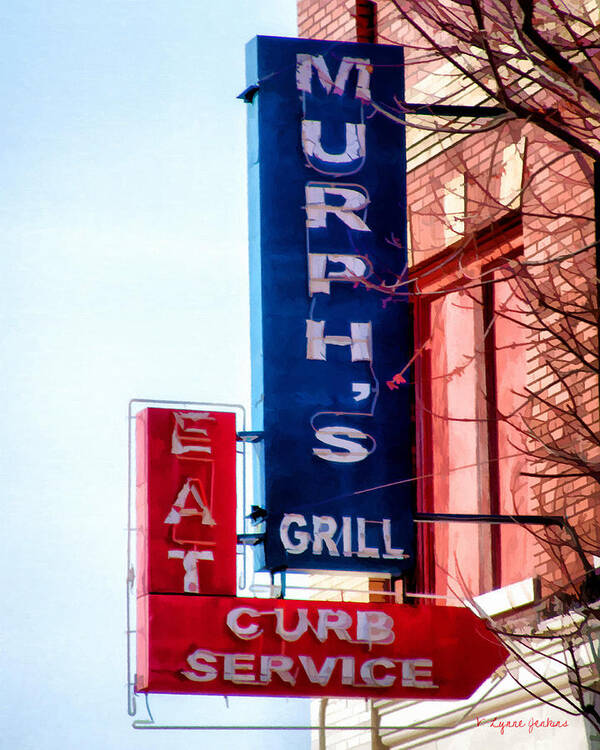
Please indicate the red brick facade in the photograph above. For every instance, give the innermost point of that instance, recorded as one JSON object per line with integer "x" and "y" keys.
{"x": 550, "y": 217}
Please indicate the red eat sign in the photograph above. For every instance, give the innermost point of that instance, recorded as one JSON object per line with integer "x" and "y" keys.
{"x": 274, "y": 647}
{"x": 186, "y": 502}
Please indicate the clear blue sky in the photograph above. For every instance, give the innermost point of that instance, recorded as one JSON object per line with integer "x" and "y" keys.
{"x": 124, "y": 274}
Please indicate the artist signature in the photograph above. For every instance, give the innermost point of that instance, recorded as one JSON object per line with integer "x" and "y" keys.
{"x": 530, "y": 725}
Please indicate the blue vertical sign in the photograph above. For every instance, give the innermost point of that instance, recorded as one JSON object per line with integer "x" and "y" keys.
{"x": 327, "y": 205}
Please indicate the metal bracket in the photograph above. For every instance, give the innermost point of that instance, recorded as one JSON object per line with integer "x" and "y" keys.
{"x": 453, "y": 110}
{"x": 257, "y": 514}
{"x": 483, "y": 518}
{"x": 250, "y": 540}
{"x": 248, "y": 94}
{"x": 247, "y": 436}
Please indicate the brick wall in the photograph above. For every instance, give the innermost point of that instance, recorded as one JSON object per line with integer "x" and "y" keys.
{"x": 327, "y": 19}
{"x": 556, "y": 210}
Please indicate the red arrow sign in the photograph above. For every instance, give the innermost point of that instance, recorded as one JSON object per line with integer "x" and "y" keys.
{"x": 274, "y": 647}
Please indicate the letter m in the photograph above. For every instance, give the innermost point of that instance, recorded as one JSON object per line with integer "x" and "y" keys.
{"x": 305, "y": 64}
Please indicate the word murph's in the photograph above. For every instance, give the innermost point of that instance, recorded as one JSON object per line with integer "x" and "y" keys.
{"x": 328, "y": 203}
{"x": 332, "y": 259}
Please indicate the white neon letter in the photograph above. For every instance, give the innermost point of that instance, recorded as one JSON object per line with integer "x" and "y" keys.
{"x": 336, "y": 620}
{"x": 300, "y": 629}
{"x": 347, "y": 535}
{"x": 351, "y": 451}
{"x": 250, "y": 631}
{"x": 374, "y": 627}
{"x": 187, "y": 436}
{"x": 301, "y": 538}
{"x": 319, "y": 280}
{"x": 367, "y": 673}
{"x": 324, "y": 527}
{"x": 202, "y": 672}
{"x": 360, "y": 341}
{"x": 321, "y": 676}
{"x": 348, "y": 669}
{"x": 190, "y": 565}
{"x": 304, "y": 68}
{"x": 362, "y": 391}
{"x": 353, "y": 151}
{"x": 279, "y": 664}
{"x": 417, "y": 673}
{"x": 363, "y": 550}
{"x": 236, "y": 663}
{"x": 355, "y": 199}
{"x": 190, "y": 487}
{"x": 391, "y": 553}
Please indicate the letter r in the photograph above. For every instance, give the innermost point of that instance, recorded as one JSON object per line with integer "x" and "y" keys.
{"x": 356, "y": 199}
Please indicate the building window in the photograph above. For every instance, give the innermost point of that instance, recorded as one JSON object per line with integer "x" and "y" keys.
{"x": 471, "y": 332}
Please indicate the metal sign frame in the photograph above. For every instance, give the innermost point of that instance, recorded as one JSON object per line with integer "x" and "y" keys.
{"x": 136, "y": 405}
